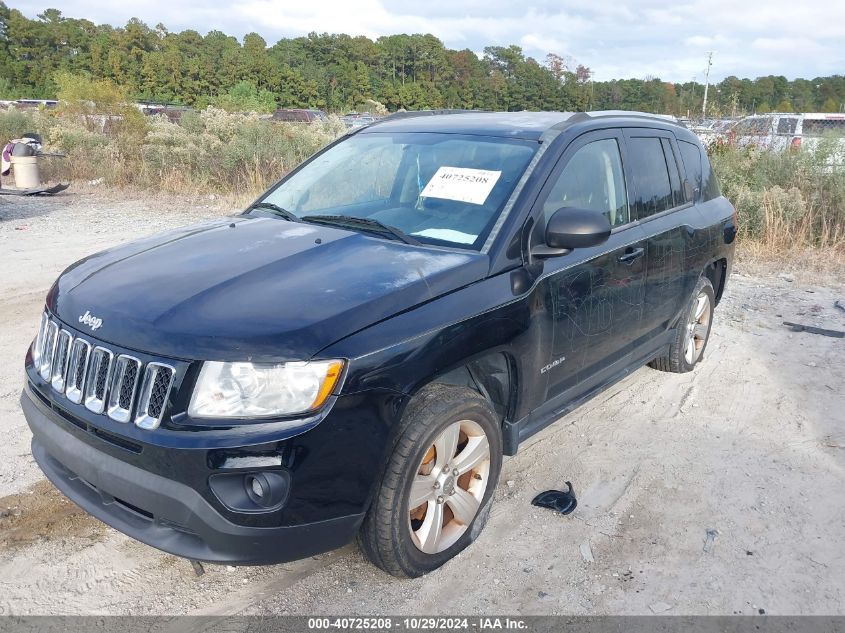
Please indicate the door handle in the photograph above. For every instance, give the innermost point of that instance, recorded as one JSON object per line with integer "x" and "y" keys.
{"x": 632, "y": 255}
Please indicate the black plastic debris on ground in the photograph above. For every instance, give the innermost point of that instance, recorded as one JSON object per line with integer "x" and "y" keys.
{"x": 36, "y": 191}
{"x": 561, "y": 501}
{"x": 798, "y": 327}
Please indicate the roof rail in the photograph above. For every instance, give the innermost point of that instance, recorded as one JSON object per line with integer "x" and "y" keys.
{"x": 666, "y": 118}
{"x": 410, "y": 114}
{"x": 407, "y": 114}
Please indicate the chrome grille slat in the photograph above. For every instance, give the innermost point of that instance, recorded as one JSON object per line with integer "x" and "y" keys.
{"x": 60, "y": 360}
{"x": 97, "y": 383}
{"x": 155, "y": 389}
{"x": 116, "y": 385}
{"x": 77, "y": 367}
{"x": 124, "y": 383}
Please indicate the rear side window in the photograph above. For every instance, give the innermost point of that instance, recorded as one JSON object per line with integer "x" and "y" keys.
{"x": 710, "y": 186}
{"x": 754, "y": 126}
{"x": 654, "y": 189}
{"x": 786, "y": 125}
{"x": 824, "y": 127}
{"x": 678, "y": 196}
{"x": 692, "y": 165}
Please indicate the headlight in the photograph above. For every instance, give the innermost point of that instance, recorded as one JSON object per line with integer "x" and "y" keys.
{"x": 260, "y": 390}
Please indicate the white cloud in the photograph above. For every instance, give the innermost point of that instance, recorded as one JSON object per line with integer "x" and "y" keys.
{"x": 627, "y": 38}
{"x": 538, "y": 42}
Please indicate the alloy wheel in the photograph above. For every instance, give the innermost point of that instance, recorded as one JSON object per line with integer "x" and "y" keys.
{"x": 446, "y": 492}
{"x": 697, "y": 328}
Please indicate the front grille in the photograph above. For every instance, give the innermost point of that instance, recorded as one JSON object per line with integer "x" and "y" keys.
{"x": 58, "y": 371}
{"x": 98, "y": 377}
{"x": 158, "y": 379}
{"x": 123, "y": 385}
{"x": 80, "y": 349}
{"x": 91, "y": 374}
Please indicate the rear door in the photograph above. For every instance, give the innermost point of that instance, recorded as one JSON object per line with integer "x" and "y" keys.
{"x": 596, "y": 293}
{"x": 663, "y": 203}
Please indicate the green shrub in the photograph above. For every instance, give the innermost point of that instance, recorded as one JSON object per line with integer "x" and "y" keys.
{"x": 210, "y": 150}
{"x": 787, "y": 200}
{"x": 14, "y": 123}
{"x": 217, "y": 150}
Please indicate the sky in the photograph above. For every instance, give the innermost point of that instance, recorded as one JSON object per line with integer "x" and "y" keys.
{"x": 618, "y": 39}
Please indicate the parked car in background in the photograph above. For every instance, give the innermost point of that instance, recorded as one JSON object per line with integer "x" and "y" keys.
{"x": 781, "y": 131}
{"x": 825, "y": 132}
{"x": 710, "y": 130}
{"x": 24, "y": 104}
{"x": 298, "y": 115}
{"x": 765, "y": 131}
{"x": 172, "y": 111}
{"x": 356, "y": 353}
{"x": 354, "y": 120}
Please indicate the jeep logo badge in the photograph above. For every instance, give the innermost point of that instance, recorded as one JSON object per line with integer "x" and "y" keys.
{"x": 90, "y": 320}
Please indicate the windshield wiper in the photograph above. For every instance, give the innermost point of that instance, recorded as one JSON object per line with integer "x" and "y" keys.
{"x": 276, "y": 209}
{"x": 366, "y": 224}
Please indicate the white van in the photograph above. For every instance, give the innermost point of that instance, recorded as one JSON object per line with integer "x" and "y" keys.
{"x": 780, "y": 131}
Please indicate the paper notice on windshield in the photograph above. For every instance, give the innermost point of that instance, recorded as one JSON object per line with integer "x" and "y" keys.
{"x": 448, "y": 235}
{"x": 462, "y": 184}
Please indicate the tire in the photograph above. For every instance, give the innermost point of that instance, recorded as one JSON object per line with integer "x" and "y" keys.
{"x": 692, "y": 325}
{"x": 393, "y": 535}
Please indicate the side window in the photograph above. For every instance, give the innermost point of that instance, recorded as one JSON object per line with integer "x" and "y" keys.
{"x": 754, "y": 126}
{"x": 825, "y": 127}
{"x": 654, "y": 188}
{"x": 592, "y": 179}
{"x": 786, "y": 125}
{"x": 691, "y": 156}
{"x": 710, "y": 186}
{"x": 678, "y": 196}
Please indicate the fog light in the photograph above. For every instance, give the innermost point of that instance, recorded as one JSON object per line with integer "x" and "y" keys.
{"x": 252, "y": 492}
{"x": 266, "y": 489}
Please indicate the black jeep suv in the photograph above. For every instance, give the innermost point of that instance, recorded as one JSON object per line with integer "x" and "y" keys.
{"x": 356, "y": 352}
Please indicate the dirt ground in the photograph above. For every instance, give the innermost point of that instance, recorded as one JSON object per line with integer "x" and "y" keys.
{"x": 715, "y": 492}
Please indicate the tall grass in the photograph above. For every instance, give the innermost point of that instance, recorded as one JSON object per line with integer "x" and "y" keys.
{"x": 787, "y": 201}
{"x": 207, "y": 151}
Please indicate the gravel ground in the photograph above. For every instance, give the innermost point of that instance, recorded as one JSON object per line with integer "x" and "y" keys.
{"x": 715, "y": 492}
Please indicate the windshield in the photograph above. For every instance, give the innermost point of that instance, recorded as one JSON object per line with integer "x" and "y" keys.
{"x": 443, "y": 189}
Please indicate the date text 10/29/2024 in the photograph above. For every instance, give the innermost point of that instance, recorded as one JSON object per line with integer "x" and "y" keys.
{"x": 417, "y": 624}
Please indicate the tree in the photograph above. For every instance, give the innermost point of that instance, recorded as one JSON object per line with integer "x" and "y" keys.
{"x": 784, "y": 106}
{"x": 245, "y": 96}
{"x": 830, "y": 105}
{"x": 337, "y": 71}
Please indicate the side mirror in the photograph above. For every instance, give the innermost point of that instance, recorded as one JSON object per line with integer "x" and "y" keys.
{"x": 571, "y": 227}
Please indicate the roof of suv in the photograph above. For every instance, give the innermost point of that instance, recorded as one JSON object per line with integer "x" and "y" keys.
{"x": 525, "y": 125}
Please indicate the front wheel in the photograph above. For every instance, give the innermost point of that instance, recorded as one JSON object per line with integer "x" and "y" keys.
{"x": 435, "y": 496}
{"x": 692, "y": 332}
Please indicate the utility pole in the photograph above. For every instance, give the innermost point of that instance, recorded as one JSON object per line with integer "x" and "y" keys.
{"x": 706, "y": 83}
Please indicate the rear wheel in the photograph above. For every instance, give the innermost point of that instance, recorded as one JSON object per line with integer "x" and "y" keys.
{"x": 436, "y": 492}
{"x": 692, "y": 333}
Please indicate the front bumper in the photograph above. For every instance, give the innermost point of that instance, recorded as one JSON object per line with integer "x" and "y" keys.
{"x": 162, "y": 512}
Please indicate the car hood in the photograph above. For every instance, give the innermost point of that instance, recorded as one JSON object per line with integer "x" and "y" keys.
{"x": 252, "y": 288}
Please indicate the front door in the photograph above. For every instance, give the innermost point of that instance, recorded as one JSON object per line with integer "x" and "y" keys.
{"x": 597, "y": 293}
